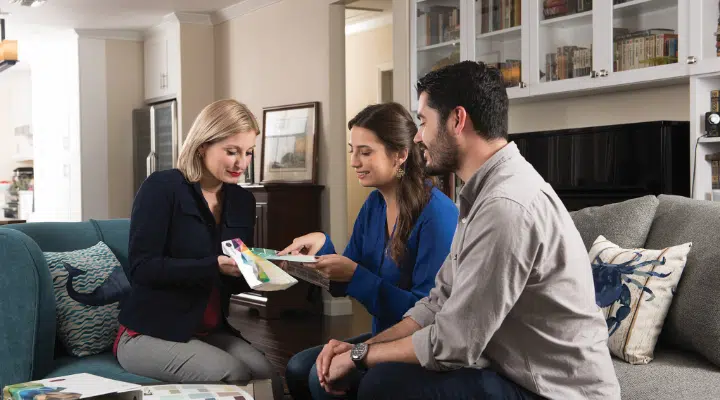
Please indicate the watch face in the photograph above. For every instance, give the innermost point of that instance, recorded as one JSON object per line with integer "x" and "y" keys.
{"x": 714, "y": 119}
{"x": 358, "y": 351}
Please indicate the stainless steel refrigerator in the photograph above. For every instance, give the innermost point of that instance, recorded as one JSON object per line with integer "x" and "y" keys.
{"x": 156, "y": 140}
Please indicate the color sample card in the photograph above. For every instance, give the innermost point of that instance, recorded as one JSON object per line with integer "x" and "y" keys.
{"x": 198, "y": 392}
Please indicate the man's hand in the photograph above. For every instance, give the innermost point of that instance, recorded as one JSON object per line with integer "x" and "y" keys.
{"x": 329, "y": 351}
{"x": 340, "y": 367}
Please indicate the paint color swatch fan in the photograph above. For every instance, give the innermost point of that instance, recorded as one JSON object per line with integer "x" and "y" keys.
{"x": 297, "y": 266}
{"x": 260, "y": 274}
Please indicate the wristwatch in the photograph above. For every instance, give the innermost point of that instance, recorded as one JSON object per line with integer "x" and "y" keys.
{"x": 358, "y": 354}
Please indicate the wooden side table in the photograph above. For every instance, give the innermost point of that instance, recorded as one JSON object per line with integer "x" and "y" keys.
{"x": 284, "y": 212}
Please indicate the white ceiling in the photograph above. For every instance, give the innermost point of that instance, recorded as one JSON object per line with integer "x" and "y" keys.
{"x": 24, "y": 22}
{"x": 98, "y": 14}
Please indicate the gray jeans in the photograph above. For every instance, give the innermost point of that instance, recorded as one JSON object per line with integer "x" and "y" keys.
{"x": 218, "y": 357}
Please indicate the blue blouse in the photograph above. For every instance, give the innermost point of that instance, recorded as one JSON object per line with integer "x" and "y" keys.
{"x": 375, "y": 281}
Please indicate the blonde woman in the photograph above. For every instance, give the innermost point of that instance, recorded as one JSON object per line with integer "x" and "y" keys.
{"x": 174, "y": 323}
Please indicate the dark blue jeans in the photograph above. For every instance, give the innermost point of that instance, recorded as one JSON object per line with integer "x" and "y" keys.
{"x": 411, "y": 381}
{"x": 401, "y": 381}
{"x": 301, "y": 375}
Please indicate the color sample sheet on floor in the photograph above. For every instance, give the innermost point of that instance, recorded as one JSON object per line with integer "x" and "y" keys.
{"x": 204, "y": 392}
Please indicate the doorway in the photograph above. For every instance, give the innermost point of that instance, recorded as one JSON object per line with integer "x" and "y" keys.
{"x": 385, "y": 83}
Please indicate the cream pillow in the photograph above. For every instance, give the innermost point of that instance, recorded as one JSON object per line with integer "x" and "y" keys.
{"x": 634, "y": 288}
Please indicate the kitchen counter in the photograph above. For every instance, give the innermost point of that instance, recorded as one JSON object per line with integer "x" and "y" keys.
{"x": 8, "y": 221}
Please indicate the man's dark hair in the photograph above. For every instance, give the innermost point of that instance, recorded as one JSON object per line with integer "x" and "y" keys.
{"x": 474, "y": 86}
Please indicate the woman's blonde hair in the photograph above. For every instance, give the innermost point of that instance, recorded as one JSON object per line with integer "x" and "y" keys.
{"x": 219, "y": 120}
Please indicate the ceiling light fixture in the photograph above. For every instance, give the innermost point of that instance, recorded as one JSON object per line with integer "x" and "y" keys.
{"x": 29, "y": 3}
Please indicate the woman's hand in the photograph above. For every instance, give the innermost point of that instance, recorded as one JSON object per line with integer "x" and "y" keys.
{"x": 308, "y": 244}
{"x": 228, "y": 266}
{"x": 335, "y": 267}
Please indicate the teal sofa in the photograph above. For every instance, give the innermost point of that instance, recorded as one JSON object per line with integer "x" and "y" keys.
{"x": 28, "y": 348}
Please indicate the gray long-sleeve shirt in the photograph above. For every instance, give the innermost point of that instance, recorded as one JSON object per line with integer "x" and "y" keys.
{"x": 516, "y": 292}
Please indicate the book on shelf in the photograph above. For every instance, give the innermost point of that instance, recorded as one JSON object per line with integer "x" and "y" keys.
{"x": 440, "y": 24}
{"x": 568, "y": 62}
{"x": 715, "y": 100}
{"x": 511, "y": 71}
{"x": 644, "y": 48}
{"x": 560, "y": 8}
{"x": 496, "y": 15}
{"x": 714, "y": 160}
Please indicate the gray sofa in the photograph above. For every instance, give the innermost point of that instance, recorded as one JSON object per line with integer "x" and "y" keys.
{"x": 687, "y": 357}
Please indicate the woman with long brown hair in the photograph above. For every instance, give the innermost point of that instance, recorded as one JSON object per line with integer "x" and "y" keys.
{"x": 400, "y": 238}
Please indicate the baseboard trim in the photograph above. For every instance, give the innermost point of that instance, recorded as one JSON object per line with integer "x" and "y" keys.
{"x": 337, "y": 306}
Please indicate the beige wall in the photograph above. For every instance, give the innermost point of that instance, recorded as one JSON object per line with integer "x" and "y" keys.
{"x": 666, "y": 103}
{"x": 291, "y": 52}
{"x": 197, "y": 64}
{"x": 125, "y": 92}
{"x": 364, "y": 53}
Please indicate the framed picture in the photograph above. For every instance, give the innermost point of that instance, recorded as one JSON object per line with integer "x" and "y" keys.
{"x": 289, "y": 143}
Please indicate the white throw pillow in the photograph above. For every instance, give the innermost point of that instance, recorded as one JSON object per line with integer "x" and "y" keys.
{"x": 634, "y": 288}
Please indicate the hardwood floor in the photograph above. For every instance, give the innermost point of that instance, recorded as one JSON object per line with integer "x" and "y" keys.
{"x": 281, "y": 338}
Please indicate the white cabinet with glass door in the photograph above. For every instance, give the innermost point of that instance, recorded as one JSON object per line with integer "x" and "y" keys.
{"x": 499, "y": 32}
{"x": 444, "y": 32}
{"x": 558, "y": 47}
{"x": 583, "y": 45}
{"x": 650, "y": 42}
{"x": 435, "y": 38}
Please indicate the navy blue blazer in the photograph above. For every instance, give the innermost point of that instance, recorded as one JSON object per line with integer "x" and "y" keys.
{"x": 173, "y": 250}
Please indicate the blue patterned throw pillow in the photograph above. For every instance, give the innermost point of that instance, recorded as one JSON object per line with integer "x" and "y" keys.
{"x": 88, "y": 284}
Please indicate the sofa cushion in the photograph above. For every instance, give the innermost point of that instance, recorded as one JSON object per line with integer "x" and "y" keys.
{"x": 60, "y": 236}
{"x": 115, "y": 234}
{"x": 693, "y": 321}
{"x": 87, "y": 320}
{"x": 626, "y": 223}
{"x": 104, "y": 365}
{"x": 634, "y": 288}
{"x": 672, "y": 375}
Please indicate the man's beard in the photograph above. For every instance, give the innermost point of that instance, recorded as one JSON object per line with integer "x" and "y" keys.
{"x": 444, "y": 156}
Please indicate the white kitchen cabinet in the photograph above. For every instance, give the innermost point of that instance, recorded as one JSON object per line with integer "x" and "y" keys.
{"x": 162, "y": 60}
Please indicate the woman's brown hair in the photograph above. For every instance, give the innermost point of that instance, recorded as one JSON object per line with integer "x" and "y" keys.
{"x": 395, "y": 128}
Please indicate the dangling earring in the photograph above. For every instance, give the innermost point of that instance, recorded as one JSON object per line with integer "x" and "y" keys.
{"x": 400, "y": 173}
